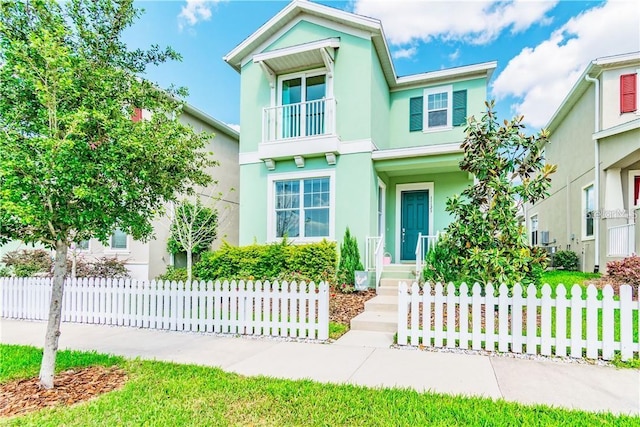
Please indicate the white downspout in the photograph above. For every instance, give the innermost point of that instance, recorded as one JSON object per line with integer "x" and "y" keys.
{"x": 596, "y": 185}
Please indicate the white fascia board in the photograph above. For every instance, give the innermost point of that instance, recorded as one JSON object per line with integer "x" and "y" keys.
{"x": 249, "y": 158}
{"x": 294, "y": 8}
{"x": 212, "y": 121}
{"x": 624, "y": 127}
{"x": 300, "y": 48}
{"x": 485, "y": 68}
{"x": 425, "y": 150}
{"x": 618, "y": 59}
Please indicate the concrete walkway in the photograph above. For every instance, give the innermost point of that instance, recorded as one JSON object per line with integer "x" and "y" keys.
{"x": 569, "y": 385}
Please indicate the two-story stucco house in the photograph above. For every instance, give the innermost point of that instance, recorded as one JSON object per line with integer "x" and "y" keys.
{"x": 333, "y": 138}
{"x": 147, "y": 260}
{"x": 594, "y": 199}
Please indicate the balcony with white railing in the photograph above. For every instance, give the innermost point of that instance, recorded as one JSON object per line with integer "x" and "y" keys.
{"x": 301, "y": 120}
{"x": 621, "y": 240}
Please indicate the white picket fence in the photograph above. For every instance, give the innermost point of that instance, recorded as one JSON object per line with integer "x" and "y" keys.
{"x": 597, "y": 325}
{"x": 276, "y": 309}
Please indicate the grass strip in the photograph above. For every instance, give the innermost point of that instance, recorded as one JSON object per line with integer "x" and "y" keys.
{"x": 161, "y": 393}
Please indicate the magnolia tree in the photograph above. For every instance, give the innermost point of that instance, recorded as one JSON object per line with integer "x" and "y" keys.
{"x": 74, "y": 165}
{"x": 486, "y": 242}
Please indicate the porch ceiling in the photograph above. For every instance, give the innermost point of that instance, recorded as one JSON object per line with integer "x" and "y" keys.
{"x": 299, "y": 57}
{"x": 417, "y": 165}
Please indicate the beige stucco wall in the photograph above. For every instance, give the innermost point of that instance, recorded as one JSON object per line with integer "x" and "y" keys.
{"x": 561, "y": 213}
{"x": 610, "y": 92}
{"x": 150, "y": 259}
{"x": 571, "y": 147}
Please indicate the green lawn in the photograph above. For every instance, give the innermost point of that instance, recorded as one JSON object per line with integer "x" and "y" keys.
{"x": 169, "y": 394}
{"x": 567, "y": 278}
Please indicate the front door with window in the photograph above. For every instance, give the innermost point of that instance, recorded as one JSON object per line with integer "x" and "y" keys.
{"x": 414, "y": 211}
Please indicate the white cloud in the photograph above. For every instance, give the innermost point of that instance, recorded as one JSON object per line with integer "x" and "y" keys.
{"x": 475, "y": 22}
{"x": 234, "y": 126}
{"x": 404, "y": 53}
{"x": 541, "y": 77}
{"x": 454, "y": 55}
{"x": 195, "y": 11}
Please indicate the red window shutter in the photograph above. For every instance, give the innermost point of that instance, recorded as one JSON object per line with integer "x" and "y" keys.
{"x": 628, "y": 93}
{"x": 137, "y": 114}
{"x": 636, "y": 190}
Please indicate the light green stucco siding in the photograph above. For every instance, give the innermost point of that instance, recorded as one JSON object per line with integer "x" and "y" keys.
{"x": 399, "y": 115}
{"x": 379, "y": 104}
{"x": 444, "y": 186}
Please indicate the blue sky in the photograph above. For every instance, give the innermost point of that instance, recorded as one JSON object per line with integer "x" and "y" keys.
{"x": 542, "y": 47}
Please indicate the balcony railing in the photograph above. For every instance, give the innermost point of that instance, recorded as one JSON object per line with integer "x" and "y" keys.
{"x": 622, "y": 240}
{"x": 304, "y": 119}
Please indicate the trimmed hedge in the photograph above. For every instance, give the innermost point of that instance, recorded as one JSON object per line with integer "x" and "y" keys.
{"x": 282, "y": 261}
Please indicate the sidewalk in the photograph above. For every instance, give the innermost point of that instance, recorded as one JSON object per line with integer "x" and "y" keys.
{"x": 569, "y": 385}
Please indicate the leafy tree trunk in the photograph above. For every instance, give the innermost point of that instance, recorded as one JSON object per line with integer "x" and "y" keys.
{"x": 55, "y": 314}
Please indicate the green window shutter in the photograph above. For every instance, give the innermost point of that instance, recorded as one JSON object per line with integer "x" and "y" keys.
{"x": 415, "y": 114}
{"x": 459, "y": 107}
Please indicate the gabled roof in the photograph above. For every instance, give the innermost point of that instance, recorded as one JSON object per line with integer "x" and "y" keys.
{"x": 213, "y": 122}
{"x": 594, "y": 69}
{"x": 371, "y": 26}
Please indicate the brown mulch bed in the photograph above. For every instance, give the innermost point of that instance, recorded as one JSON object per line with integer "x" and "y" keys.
{"x": 72, "y": 386}
{"x": 344, "y": 307}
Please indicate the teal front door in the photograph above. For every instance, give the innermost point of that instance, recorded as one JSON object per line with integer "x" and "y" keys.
{"x": 414, "y": 220}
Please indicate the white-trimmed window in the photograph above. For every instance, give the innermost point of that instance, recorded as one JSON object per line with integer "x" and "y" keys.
{"x": 533, "y": 226}
{"x": 118, "y": 241}
{"x": 438, "y": 107}
{"x": 588, "y": 209}
{"x": 82, "y": 245}
{"x": 301, "y": 205}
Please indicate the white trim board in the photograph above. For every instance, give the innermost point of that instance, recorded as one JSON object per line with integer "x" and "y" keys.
{"x": 411, "y": 187}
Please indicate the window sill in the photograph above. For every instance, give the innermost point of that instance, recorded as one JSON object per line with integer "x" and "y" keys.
{"x": 117, "y": 252}
{"x": 588, "y": 238}
{"x": 302, "y": 240}
{"x": 437, "y": 129}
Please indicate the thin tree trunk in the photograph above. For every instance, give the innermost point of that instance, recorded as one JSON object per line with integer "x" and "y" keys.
{"x": 55, "y": 314}
{"x": 189, "y": 264}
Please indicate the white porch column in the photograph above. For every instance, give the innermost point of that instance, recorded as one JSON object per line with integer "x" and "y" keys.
{"x": 613, "y": 199}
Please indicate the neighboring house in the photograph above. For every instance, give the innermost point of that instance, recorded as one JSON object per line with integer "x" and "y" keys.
{"x": 333, "y": 138}
{"x": 594, "y": 199}
{"x": 150, "y": 259}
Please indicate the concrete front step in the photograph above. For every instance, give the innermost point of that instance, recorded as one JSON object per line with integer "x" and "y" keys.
{"x": 382, "y": 303}
{"x": 380, "y": 321}
{"x": 393, "y": 283}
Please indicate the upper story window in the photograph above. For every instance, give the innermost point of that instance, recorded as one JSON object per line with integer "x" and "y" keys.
{"x": 439, "y": 108}
{"x": 628, "y": 93}
{"x": 302, "y": 105}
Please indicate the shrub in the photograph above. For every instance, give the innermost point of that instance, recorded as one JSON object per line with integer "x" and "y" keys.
{"x": 567, "y": 260}
{"x": 173, "y": 273}
{"x": 349, "y": 262}
{"x": 5, "y": 271}
{"x": 438, "y": 266}
{"x": 282, "y": 261}
{"x": 626, "y": 270}
{"x": 28, "y": 262}
{"x": 108, "y": 267}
